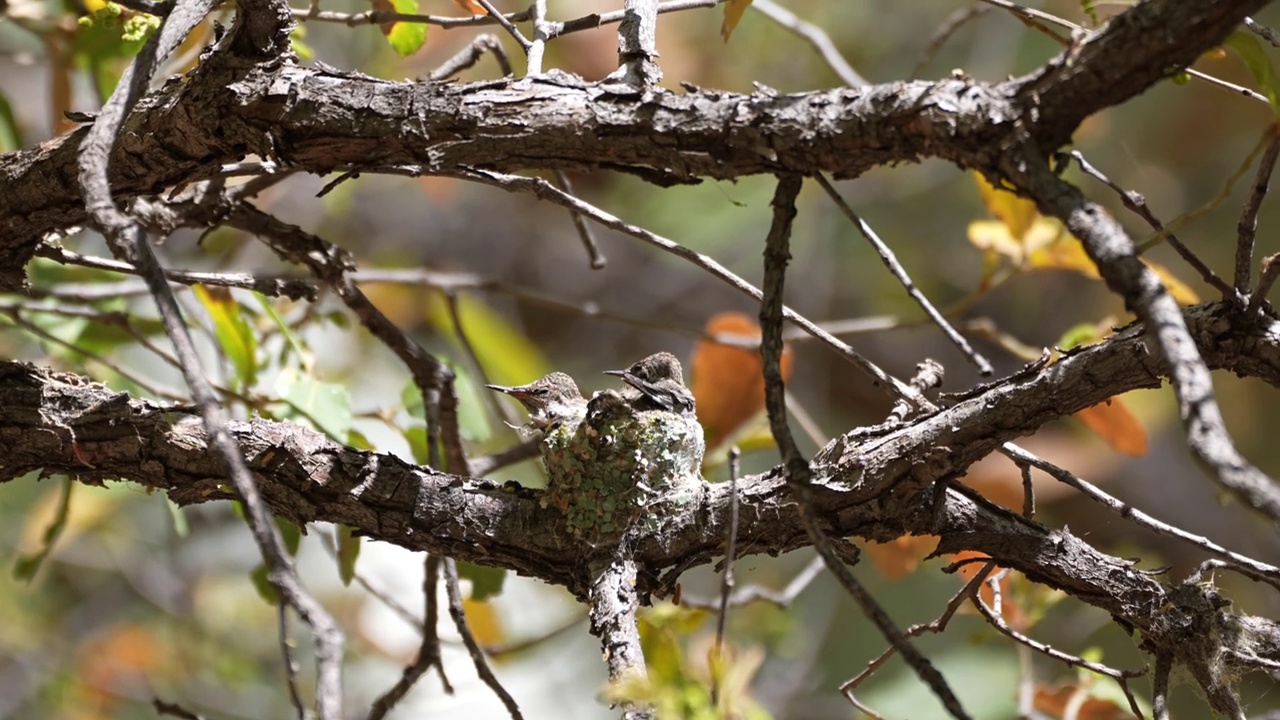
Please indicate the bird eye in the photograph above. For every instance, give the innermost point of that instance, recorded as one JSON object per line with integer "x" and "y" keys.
{"x": 540, "y": 392}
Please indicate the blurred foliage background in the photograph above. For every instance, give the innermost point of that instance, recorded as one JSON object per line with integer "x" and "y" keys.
{"x": 136, "y": 599}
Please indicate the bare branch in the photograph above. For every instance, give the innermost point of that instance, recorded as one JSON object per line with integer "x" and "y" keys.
{"x": 469, "y": 640}
{"x": 1247, "y": 228}
{"x": 1113, "y": 252}
{"x": 799, "y": 475}
{"x": 890, "y": 261}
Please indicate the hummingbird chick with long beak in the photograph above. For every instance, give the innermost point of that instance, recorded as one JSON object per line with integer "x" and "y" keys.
{"x": 550, "y": 400}
{"x": 657, "y": 383}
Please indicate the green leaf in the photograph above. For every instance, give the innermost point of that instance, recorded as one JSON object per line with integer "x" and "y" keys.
{"x": 1090, "y": 8}
{"x": 180, "y": 526}
{"x": 291, "y": 534}
{"x": 1077, "y": 335}
{"x": 473, "y": 418}
{"x": 327, "y": 405}
{"x": 26, "y": 566}
{"x": 416, "y": 436}
{"x": 507, "y": 356}
{"x": 485, "y": 581}
{"x": 300, "y": 46}
{"x": 10, "y": 131}
{"x": 235, "y": 336}
{"x": 292, "y": 341}
{"x": 1255, "y": 58}
{"x": 265, "y": 589}
{"x": 407, "y": 38}
{"x": 348, "y": 551}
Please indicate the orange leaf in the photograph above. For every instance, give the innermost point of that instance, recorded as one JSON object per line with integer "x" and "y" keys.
{"x": 733, "y": 10}
{"x": 1056, "y": 702}
{"x": 1112, "y": 421}
{"x": 1013, "y": 613}
{"x": 898, "y": 558}
{"x": 470, "y": 6}
{"x": 728, "y": 381}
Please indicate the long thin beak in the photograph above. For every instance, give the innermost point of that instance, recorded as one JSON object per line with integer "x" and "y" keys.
{"x": 513, "y": 391}
{"x": 618, "y": 373}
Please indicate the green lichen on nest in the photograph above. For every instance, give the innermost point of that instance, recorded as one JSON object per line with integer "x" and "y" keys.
{"x": 611, "y": 472}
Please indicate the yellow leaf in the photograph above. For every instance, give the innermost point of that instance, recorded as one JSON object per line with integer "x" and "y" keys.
{"x": 1180, "y": 291}
{"x": 1117, "y": 426}
{"x": 994, "y": 237}
{"x": 1016, "y": 213}
{"x": 483, "y": 621}
{"x": 733, "y": 10}
{"x": 1066, "y": 254}
{"x": 504, "y": 352}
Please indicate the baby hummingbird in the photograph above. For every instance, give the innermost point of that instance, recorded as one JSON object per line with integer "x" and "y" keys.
{"x": 550, "y": 399}
{"x": 657, "y": 383}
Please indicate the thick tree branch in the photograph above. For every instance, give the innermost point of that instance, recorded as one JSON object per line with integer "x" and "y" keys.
{"x": 319, "y": 121}
{"x": 62, "y": 423}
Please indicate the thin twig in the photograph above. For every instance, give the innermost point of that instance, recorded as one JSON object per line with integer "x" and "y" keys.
{"x": 1267, "y": 278}
{"x": 1263, "y": 32}
{"x": 590, "y": 22}
{"x": 799, "y": 475}
{"x": 128, "y": 240}
{"x": 505, "y": 23}
{"x": 1137, "y": 204}
{"x": 949, "y": 27}
{"x": 428, "y": 650}
{"x": 1247, "y": 227}
{"x": 1028, "y": 490}
{"x": 1120, "y": 676}
{"x": 290, "y": 664}
{"x": 887, "y": 383}
{"x": 815, "y": 36}
{"x": 726, "y": 575}
{"x": 378, "y": 17}
{"x": 890, "y": 261}
{"x": 331, "y": 264}
{"x": 469, "y": 640}
{"x": 753, "y": 593}
{"x": 1262, "y": 572}
{"x": 1115, "y": 255}
{"x": 470, "y": 55}
{"x": 937, "y": 625}
{"x": 1032, "y": 17}
{"x": 597, "y": 258}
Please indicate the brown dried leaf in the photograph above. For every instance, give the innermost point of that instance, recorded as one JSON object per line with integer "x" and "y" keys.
{"x": 728, "y": 381}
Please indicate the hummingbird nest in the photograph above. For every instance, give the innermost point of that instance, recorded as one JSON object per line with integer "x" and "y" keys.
{"x": 610, "y": 471}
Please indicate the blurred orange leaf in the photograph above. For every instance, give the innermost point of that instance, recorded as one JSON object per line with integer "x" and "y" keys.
{"x": 1076, "y": 702}
{"x": 1112, "y": 421}
{"x": 470, "y": 6}
{"x": 1013, "y": 613}
{"x": 733, "y": 10}
{"x": 728, "y": 381}
{"x": 900, "y": 557}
